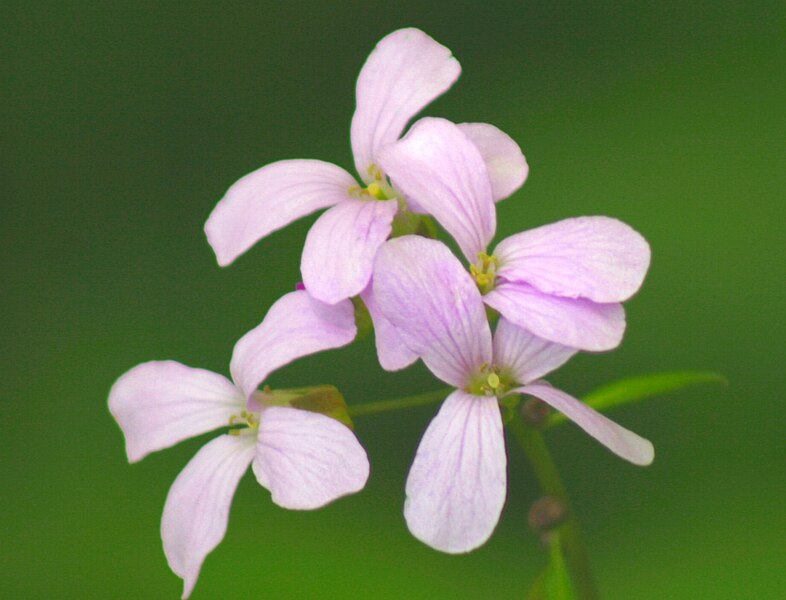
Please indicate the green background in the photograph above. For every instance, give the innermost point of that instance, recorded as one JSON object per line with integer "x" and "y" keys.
{"x": 123, "y": 124}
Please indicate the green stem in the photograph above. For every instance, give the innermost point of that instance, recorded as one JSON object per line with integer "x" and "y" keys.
{"x": 534, "y": 446}
{"x": 372, "y": 408}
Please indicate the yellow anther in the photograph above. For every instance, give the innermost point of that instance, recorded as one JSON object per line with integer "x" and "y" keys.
{"x": 375, "y": 172}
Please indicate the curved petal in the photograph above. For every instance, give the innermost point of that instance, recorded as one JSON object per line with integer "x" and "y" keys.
{"x": 160, "y": 403}
{"x": 404, "y": 73}
{"x": 306, "y": 459}
{"x": 442, "y": 170}
{"x": 526, "y": 356}
{"x": 598, "y": 258}
{"x": 392, "y": 352}
{"x": 340, "y": 248}
{"x": 423, "y": 290}
{"x": 616, "y": 438}
{"x": 457, "y": 484}
{"x": 197, "y": 507}
{"x": 578, "y": 323}
{"x": 271, "y": 198}
{"x": 507, "y": 167}
{"x": 296, "y": 325}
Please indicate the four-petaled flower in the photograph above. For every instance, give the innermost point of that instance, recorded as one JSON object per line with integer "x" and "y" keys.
{"x": 305, "y": 459}
{"x": 405, "y": 72}
{"x": 563, "y": 282}
{"x": 457, "y": 484}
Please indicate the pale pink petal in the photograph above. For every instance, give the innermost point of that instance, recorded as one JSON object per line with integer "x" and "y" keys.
{"x": 616, "y": 438}
{"x": 598, "y": 258}
{"x": 197, "y": 507}
{"x": 340, "y": 248}
{"x": 438, "y": 166}
{"x": 392, "y": 352}
{"x": 405, "y": 72}
{"x": 296, "y": 325}
{"x": 423, "y": 290}
{"x": 504, "y": 160}
{"x": 457, "y": 484}
{"x": 525, "y": 356}
{"x": 578, "y": 323}
{"x": 160, "y": 403}
{"x": 306, "y": 459}
{"x": 270, "y": 198}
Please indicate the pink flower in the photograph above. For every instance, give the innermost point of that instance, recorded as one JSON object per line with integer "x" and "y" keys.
{"x": 405, "y": 72}
{"x": 563, "y": 282}
{"x": 304, "y": 458}
{"x": 457, "y": 484}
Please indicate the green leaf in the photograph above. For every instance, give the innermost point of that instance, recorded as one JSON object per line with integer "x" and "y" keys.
{"x": 633, "y": 389}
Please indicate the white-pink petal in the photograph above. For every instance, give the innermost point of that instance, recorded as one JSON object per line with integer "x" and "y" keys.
{"x": 578, "y": 323}
{"x": 504, "y": 160}
{"x": 598, "y": 258}
{"x": 197, "y": 507}
{"x": 616, "y": 438}
{"x": 423, "y": 290}
{"x": 160, "y": 403}
{"x": 392, "y": 352}
{"x": 296, "y": 325}
{"x": 457, "y": 484}
{"x": 438, "y": 166}
{"x": 338, "y": 256}
{"x": 525, "y": 356}
{"x": 270, "y": 198}
{"x": 404, "y": 73}
{"x": 306, "y": 459}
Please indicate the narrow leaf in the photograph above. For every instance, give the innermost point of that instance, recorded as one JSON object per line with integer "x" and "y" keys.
{"x": 633, "y": 389}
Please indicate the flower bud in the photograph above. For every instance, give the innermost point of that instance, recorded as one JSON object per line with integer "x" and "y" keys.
{"x": 547, "y": 513}
{"x": 535, "y": 412}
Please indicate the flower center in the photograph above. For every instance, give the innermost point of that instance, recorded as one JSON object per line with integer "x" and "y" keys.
{"x": 489, "y": 381}
{"x": 238, "y": 424}
{"x": 379, "y": 189}
{"x": 484, "y": 272}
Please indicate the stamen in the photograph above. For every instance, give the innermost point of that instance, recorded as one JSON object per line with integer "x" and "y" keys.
{"x": 484, "y": 272}
{"x": 375, "y": 172}
{"x": 245, "y": 420}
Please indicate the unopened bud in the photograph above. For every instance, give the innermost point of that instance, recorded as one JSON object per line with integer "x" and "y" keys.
{"x": 547, "y": 513}
{"x": 535, "y": 412}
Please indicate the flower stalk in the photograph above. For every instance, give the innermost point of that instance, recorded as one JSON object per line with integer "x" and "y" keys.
{"x": 373, "y": 408}
{"x": 534, "y": 446}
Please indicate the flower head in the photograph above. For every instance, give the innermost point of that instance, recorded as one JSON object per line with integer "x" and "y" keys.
{"x": 563, "y": 282}
{"x": 457, "y": 484}
{"x": 404, "y": 73}
{"x": 304, "y": 458}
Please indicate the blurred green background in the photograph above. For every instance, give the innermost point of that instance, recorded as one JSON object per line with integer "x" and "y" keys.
{"x": 124, "y": 123}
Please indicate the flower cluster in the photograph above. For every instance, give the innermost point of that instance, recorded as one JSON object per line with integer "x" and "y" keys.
{"x": 547, "y": 292}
